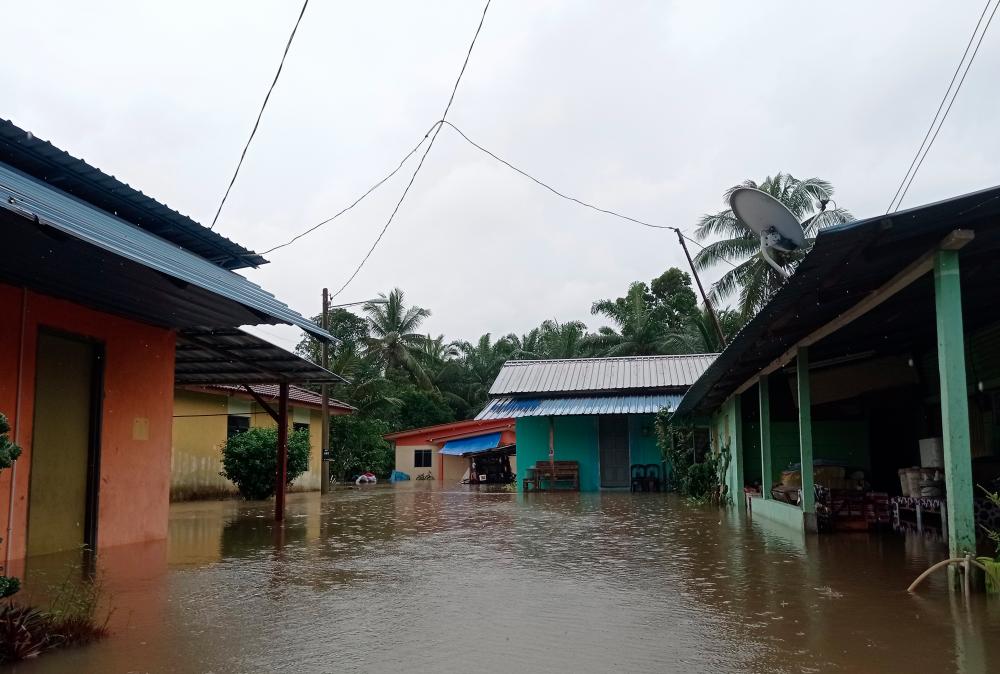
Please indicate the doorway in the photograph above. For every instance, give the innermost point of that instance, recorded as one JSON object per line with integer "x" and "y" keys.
{"x": 614, "y": 452}
{"x": 65, "y": 448}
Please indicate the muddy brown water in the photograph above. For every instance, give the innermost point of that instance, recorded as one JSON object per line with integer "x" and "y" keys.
{"x": 419, "y": 578}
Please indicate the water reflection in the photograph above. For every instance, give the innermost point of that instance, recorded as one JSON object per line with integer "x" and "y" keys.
{"x": 421, "y": 578}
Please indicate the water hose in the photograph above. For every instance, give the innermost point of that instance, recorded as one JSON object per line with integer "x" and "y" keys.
{"x": 966, "y": 561}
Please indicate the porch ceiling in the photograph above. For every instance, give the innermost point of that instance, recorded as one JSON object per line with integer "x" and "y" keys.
{"x": 232, "y": 356}
{"x": 846, "y": 265}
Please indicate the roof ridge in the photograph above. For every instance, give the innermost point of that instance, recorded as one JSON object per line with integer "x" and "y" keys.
{"x": 607, "y": 358}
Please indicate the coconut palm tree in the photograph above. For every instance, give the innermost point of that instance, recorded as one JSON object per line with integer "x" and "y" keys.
{"x": 394, "y": 340}
{"x": 698, "y": 335}
{"x": 753, "y": 278}
{"x": 639, "y": 332}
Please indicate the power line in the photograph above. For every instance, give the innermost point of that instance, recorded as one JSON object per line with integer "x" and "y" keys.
{"x": 568, "y": 197}
{"x": 359, "y": 199}
{"x": 437, "y": 130}
{"x": 911, "y": 172}
{"x": 260, "y": 114}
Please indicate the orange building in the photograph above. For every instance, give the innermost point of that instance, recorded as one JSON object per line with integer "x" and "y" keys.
{"x": 444, "y": 452}
{"x": 107, "y": 298}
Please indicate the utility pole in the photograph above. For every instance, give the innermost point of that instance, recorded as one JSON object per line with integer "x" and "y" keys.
{"x": 324, "y": 388}
{"x": 701, "y": 289}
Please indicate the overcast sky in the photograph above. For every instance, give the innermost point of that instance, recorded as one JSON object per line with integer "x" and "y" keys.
{"x": 649, "y": 108}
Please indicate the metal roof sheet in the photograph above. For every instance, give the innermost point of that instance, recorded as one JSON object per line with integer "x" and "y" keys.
{"x": 296, "y": 394}
{"x": 507, "y": 407}
{"x": 476, "y": 443}
{"x": 599, "y": 374}
{"x": 847, "y": 263}
{"x": 231, "y": 356}
{"x": 51, "y": 207}
{"x": 45, "y": 162}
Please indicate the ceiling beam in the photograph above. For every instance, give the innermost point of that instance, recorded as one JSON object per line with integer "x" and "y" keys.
{"x": 955, "y": 240}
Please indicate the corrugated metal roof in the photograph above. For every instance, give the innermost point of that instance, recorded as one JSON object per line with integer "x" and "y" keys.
{"x": 502, "y": 408}
{"x": 296, "y": 394}
{"x": 599, "y": 374}
{"x": 44, "y": 161}
{"x": 232, "y": 356}
{"x": 846, "y": 264}
{"x": 46, "y": 205}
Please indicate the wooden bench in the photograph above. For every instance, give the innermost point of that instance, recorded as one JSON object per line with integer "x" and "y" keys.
{"x": 553, "y": 473}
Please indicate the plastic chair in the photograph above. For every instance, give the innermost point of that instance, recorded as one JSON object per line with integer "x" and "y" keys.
{"x": 652, "y": 477}
{"x": 638, "y": 473}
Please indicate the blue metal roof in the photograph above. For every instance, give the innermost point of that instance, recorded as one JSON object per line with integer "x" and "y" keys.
{"x": 46, "y": 162}
{"x": 47, "y": 206}
{"x": 478, "y": 443}
{"x": 504, "y": 408}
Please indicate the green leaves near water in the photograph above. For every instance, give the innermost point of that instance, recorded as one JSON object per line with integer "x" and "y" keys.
{"x": 249, "y": 460}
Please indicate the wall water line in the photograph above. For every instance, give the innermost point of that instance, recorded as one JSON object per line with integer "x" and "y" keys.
{"x": 17, "y": 426}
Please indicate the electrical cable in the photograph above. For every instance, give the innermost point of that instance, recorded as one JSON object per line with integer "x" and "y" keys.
{"x": 937, "y": 113}
{"x": 416, "y": 171}
{"x": 951, "y": 103}
{"x": 260, "y": 114}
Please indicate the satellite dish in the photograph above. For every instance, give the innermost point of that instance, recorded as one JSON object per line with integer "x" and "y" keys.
{"x": 777, "y": 226}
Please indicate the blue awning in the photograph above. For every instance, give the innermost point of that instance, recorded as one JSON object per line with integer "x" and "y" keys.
{"x": 469, "y": 445}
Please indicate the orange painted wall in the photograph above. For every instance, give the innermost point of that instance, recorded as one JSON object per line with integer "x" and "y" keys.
{"x": 138, "y": 385}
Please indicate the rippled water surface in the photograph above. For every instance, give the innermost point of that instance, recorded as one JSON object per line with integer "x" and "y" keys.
{"x": 415, "y": 578}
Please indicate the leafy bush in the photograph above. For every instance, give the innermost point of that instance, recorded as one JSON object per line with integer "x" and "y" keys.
{"x": 24, "y": 633}
{"x": 8, "y": 454}
{"x": 357, "y": 445}
{"x": 703, "y": 482}
{"x": 250, "y": 460}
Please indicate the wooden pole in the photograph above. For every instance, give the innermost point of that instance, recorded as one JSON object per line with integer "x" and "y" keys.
{"x": 954, "y": 404}
{"x": 324, "y": 485}
{"x": 281, "y": 478}
{"x": 701, "y": 289}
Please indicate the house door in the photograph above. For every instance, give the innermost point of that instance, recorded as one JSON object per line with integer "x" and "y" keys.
{"x": 613, "y": 444}
{"x": 65, "y": 448}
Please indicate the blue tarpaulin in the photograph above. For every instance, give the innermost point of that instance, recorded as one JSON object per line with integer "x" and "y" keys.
{"x": 469, "y": 445}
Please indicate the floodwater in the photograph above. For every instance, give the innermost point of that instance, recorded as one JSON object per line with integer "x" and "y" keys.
{"x": 419, "y": 578}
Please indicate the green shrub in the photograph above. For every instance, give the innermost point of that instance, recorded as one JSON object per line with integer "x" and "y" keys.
{"x": 8, "y": 454}
{"x": 250, "y": 460}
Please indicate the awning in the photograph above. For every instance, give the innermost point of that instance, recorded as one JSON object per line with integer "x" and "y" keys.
{"x": 69, "y": 248}
{"x": 502, "y": 408}
{"x": 232, "y": 356}
{"x": 478, "y": 443}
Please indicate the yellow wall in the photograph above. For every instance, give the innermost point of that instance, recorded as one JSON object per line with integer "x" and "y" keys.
{"x": 200, "y": 432}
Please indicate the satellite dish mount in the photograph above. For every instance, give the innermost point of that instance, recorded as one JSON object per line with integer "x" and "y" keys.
{"x": 777, "y": 226}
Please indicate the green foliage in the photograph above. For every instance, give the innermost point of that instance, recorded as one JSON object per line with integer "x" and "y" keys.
{"x": 357, "y": 445}
{"x": 9, "y": 452}
{"x": 250, "y": 460}
{"x": 702, "y": 482}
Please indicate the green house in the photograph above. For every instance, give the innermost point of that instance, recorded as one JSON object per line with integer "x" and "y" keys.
{"x": 598, "y": 412}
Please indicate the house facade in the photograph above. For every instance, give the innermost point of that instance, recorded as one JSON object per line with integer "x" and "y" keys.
{"x": 598, "y": 412}
{"x": 443, "y": 452}
{"x": 205, "y": 417}
{"x": 102, "y": 290}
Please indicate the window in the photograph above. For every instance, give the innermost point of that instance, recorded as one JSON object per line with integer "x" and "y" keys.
{"x": 300, "y": 426}
{"x": 236, "y": 423}
{"x": 421, "y": 458}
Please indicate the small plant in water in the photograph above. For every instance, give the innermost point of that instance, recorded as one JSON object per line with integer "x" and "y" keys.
{"x": 8, "y": 455}
{"x": 992, "y": 564}
{"x": 703, "y": 482}
{"x": 249, "y": 460}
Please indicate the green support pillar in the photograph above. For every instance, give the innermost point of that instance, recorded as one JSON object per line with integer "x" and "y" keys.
{"x": 805, "y": 438}
{"x": 736, "y": 452}
{"x": 766, "y": 476}
{"x": 954, "y": 403}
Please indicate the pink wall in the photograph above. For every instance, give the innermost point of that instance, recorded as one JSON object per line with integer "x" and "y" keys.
{"x": 138, "y": 387}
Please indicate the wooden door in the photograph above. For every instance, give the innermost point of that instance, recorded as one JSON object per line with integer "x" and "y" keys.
{"x": 62, "y": 501}
{"x": 614, "y": 452}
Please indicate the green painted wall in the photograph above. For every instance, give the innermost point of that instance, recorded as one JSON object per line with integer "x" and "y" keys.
{"x": 576, "y": 440}
{"x": 834, "y": 440}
